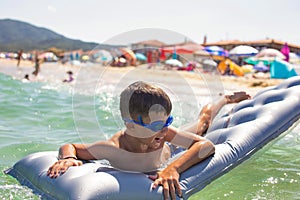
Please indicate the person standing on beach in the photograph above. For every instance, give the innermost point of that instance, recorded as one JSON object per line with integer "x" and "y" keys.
{"x": 37, "y": 64}
{"x": 19, "y": 57}
{"x": 149, "y": 59}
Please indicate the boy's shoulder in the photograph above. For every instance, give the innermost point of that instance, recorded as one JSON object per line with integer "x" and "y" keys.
{"x": 117, "y": 137}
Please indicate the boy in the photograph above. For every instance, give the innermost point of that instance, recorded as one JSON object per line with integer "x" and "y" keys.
{"x": 142, "y": 146}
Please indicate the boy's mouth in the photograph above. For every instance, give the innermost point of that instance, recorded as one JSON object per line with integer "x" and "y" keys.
{"x": 158, "y": 139}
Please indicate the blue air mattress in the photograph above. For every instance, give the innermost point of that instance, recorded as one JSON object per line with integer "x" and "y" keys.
{"x": 237, "y": 135}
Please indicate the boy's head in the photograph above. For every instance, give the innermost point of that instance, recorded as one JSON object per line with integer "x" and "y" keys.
{"x": 140, "y": 98}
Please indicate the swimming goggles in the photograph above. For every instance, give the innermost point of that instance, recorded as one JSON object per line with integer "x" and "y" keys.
{"x": 154, "y": 126}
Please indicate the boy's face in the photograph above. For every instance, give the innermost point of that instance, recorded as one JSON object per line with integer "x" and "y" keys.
{"x": 147, "y": 135}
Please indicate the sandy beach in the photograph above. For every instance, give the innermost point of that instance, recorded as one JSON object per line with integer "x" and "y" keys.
{"x": 56, "y": 72}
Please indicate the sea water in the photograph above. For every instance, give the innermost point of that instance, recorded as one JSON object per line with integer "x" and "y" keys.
{"x": 41, "y": 116}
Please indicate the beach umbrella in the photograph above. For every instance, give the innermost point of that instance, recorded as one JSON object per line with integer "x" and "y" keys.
{"x": 247, "y": 68}
{"x": 174, "y": 62}
{"x": 255, "y": 60}
{"x": 85, "y": 58}
{"x": 140, "y": 56}
{"x": 209, "y": 65}
{"x": 213, "y": 48}
{"x": 216, "y": 51}
{"x": 243, "y": 50}
{"x": 128, "y": 53}
{"x": 270, "y": 53}
{"x": 209, "y": 62}
{"x": 261, "y": 67}
{"x": 102, "y": 55}
{"x": 251, "y": 60}
{"x": 48, "y": 56}
{"x": 293, "y": 57}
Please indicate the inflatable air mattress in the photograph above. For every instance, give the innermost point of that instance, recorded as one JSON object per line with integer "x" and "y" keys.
{"x": 249, "y": 126}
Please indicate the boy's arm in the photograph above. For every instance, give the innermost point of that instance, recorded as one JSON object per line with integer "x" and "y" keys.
{"x": 169, "y": 177}
{"x": 69, "y": 153}
{"x": 67, "y": 157}
{"x": 210, "y": 110}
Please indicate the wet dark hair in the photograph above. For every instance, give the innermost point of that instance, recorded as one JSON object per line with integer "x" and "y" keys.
{"x": 140, "y": 97}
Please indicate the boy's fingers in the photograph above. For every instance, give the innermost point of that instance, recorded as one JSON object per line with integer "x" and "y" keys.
{"x": 156, "y": 183}
{"x": 166, "y": 190}
{"x": 153, "y": 177}
{"x": 172, "y": 190}
{"x": 178, "y": 189}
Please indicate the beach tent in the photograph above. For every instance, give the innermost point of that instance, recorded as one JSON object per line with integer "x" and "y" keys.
{"x": 282, "y": 69}
{"x": 237, "y": 70}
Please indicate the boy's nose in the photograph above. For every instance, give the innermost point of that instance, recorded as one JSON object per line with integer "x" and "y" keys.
{"x": 162, "y": 132}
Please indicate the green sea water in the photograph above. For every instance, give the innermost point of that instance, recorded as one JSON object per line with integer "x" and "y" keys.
{"x": 37, "y": 116}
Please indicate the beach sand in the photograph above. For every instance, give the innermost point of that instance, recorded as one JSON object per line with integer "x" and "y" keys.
{"x": 56, "y": 72}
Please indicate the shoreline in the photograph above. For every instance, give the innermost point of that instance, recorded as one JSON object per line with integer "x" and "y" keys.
{"x": 56, "y": 72}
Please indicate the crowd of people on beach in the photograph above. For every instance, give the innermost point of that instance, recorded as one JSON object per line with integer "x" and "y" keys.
{"x": 37, "y": 61}
{"x": 220, "y": 61}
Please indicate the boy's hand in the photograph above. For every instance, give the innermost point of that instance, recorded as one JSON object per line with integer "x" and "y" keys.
{"x": 61, "y": 166}
{"x": 169, "y": 180}
{"x": 237, "y": 97}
